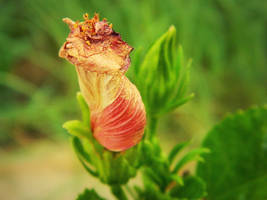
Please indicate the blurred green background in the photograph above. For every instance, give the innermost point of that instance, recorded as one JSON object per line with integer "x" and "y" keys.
{"x": 225, "y": 38}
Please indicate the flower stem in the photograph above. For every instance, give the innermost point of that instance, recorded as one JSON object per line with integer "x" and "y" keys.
{"x": 152, "y": 126}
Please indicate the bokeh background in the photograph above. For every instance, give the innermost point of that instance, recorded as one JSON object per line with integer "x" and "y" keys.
{"x": 225, "y": 38}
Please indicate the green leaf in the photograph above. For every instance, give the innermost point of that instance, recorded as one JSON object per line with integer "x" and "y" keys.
{"x": 193, "y": 188}
{"x": 89, "y": 195}
{"x": 150, "y": 174}
{"x": 192, "y": 155}
{"x": 177, "y": 103}
{"x": 237, "y": 166}
{"x": 176, "y": 149}
{"x": 77, "y": 128}
{"x": 166, "y": 76}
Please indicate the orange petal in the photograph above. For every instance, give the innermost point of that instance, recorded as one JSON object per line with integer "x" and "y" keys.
{"x": 121, "y": 124}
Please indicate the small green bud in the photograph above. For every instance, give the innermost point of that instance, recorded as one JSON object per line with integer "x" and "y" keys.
{"x": 163, "y": 76}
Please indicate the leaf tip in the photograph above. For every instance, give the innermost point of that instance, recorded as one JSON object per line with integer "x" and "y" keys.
{"x": 172, "y": 29}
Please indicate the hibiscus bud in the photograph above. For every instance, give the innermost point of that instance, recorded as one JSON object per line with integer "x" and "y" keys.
{"x": 101, "y": 59}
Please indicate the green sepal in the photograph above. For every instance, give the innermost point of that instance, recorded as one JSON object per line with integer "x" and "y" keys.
{"x": 77, "y": 128}
{"x": 82, "y": 155}
{"x": 176, "y": 149}
{"x": 120, "y": 167}
{"x": 193, "y": 155}
{"x": 84, "y": 109}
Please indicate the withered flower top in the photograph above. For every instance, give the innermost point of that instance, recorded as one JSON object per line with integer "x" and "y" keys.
{"x": 93, "y": 43}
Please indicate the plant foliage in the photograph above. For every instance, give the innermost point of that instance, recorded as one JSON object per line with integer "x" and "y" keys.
{"x": 236, "y": 168}
{"x": 231, "y": 163}
{"x": 166, "y": 76}
{"x": 159, "y": 172}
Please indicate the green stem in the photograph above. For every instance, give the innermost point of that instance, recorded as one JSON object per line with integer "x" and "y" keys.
{"x": 118, "y": 192}
{"x": 152, "y": 127}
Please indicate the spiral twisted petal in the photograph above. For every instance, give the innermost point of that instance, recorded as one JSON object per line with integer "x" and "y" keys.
{"x": 101, "y": 58}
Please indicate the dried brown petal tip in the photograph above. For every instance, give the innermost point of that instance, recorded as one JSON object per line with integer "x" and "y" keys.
{"x": 94, "y": 45}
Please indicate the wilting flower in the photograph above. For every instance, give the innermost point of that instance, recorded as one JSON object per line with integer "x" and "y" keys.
{"x": 101, "y": 59}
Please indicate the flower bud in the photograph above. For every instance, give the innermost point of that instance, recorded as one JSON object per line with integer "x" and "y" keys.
{"x": 101, "y": 59}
